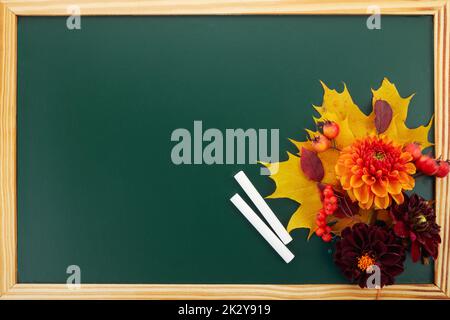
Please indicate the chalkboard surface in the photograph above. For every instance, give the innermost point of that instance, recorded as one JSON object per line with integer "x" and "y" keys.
{"x": 96, "y": 109}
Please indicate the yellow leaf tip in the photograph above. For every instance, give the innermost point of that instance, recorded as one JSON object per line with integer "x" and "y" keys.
{"x": 290, "y": 155}
{"x": 324, "y": 86}
{"x": 386, "y": 79}
{"x": 430, "y": 123}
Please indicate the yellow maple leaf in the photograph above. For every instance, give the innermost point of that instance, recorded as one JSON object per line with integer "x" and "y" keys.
{"x": 291, "y": 183}
{"x": 339, "y": 107}
{"x": 328, "y": 158}
{"x": 289, "y": 179}
{"x": 305, "y": 215}
{"x": 398, "y": 131}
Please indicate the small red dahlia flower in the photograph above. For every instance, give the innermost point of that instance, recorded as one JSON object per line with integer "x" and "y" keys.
{"x": 415, "y": 220}
{"x": 363, "y": 246}
{"x": 375, "y": 170}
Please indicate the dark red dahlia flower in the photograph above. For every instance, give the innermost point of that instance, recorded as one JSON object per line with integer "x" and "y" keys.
{"x": 362, "y": 246}
{"x": 415, "y": 220}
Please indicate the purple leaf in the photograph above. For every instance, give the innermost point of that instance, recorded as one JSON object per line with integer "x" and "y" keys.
{"x": 383, "y": 115}
{"x": 311, "y": 165}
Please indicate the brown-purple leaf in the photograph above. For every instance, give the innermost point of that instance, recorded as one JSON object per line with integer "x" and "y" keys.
{"x": 383, "y": 115}
{"x": 311, "y": 165}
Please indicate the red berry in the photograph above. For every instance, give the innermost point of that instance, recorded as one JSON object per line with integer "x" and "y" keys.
{"x": 431, "y": 167}
{"x": 321, "y": 215}
{"x": 320, "y": 143}
{"x": 414, "y": 150}
{"x": 327, "y": 229}
{"x": 427, "y": 165}
{"x": 326, "y": 237}
{"x": 328, "y": 193}
{"x": 420, "y": 163}
{"x": 321, "y": 223}
{"x": 330, "y": 129}
{"x": 443, "y": 169}
{"x": 320, "y": 232}
{"x": 333, "y": 200}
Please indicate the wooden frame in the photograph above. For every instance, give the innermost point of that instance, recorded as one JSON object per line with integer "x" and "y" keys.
{"x": 10, "y": 9}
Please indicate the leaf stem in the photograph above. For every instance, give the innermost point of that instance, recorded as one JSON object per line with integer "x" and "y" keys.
{"x": 334, "y": 146}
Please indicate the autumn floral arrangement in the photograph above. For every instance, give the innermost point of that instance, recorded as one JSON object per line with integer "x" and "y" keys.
{"x": 354, "y": 179}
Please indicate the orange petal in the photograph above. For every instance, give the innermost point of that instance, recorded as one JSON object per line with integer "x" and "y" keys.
{"x": 355, "y": 169}
{"x": 406, "y": 157}
{"x": 394, "y": 187}
{"x": 399, "y": 198}
{"x": 348, "y": 163}
{"x": 345, "y": 182}
{"x": 393, "y": 174}
{"x": 356, "y": 181}
{"x": 370, "y": 201}
{"x": 410, "y": 168}
{"x": 403, "y": 177}
{"x": 368, "y": 179}
{"x": 379, "y": 188}
{"x": 406, "y": 180}
{"x": 362, "y": 193}
{"x": 340, "y": 169}
{"x": 363, "y": 205}
{"x": 351, "y": 195}
{"x": 382, "y": 202}
{"x": 367, "y": 205}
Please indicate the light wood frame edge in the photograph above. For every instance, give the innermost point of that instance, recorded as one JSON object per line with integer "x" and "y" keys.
{"x": 10, "y": 289}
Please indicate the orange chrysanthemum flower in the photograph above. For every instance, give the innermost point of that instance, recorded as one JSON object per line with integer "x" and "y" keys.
{"x": 375, "y": 170}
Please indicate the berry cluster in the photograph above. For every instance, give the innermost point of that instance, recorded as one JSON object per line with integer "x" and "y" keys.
{"x": 322, "y": 142}
{"x": 426, "y": 164}
{"x": 329, "y": 207}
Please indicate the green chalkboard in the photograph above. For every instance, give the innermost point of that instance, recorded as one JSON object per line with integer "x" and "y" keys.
{"x": 96, "y": 108}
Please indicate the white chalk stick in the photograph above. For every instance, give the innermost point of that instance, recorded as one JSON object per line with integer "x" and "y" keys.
{"x": 263, "y": 207}
{"x": 262, "y": 228}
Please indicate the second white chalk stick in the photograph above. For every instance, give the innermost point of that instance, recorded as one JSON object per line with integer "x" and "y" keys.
{"x": 262, "y": 228}
{"x": 263, "y": 207}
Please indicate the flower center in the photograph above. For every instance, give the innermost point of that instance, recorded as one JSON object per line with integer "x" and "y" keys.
{"x": 420, "y": 223}
{"x": 379, "y": 155}
{"x": 421, "y": 219}
{"x": 365, "y": 262}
